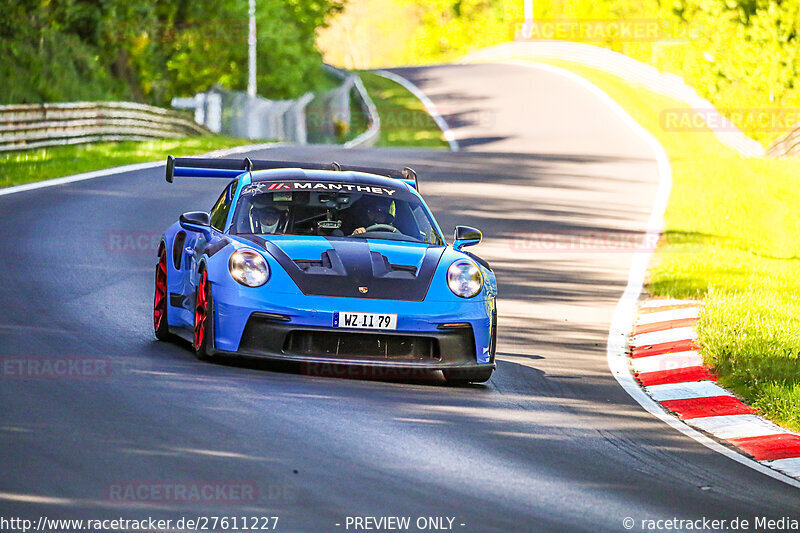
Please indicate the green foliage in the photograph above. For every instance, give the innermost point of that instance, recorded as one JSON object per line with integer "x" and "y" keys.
{"x": 742, "y": 55}
{"x": 450, "y": 28}
{"x": 153, "y": 50}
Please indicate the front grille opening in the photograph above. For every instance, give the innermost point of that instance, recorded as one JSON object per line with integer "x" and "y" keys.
{"x": 361, "y": 346}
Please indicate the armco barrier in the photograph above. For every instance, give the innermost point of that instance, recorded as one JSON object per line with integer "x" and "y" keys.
{"x": 371, "y": 135}
{"x": 39, "y": 125}
{"x": 27, "y": 126}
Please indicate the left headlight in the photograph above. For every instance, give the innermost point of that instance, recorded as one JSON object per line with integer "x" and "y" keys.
{"x": 248, "y": 268}
{"x": 464, "y": 278}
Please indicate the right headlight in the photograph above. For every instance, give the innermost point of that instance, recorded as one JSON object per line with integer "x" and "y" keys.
{"x": 464, "y": 278}
{"x": 248, "y": 267}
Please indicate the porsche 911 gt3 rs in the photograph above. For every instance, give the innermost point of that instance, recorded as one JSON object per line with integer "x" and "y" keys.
{"x": 324, "y": 264}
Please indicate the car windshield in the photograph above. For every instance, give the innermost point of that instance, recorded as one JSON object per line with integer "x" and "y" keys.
{"x": 334, "y": 214}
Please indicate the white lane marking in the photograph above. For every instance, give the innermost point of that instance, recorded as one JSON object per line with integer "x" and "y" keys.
{"x": 660, "y": 337}
{"x": 667, "y": 361}
{"x": 650, "y": 304}
{"x": 128, "y": 168}
{"x": 623, "y": 318}
{"x": 685, "y": 391}
{"x": 430, "y": 107}
{"x": 789, "y": 466}
{"x": 79, "y": 177}
{"x": 736, "y": 426}
{"x": 668, "y": 316}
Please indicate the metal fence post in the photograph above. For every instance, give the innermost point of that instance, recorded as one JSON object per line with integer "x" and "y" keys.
{"x": 323, "y": 117}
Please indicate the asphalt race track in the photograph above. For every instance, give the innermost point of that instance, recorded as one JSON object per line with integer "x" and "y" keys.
{"x": 561, "y": 188}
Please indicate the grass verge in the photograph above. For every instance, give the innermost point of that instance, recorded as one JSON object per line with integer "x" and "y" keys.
{"x": 404, "y": 121}
{"x": 27, "y": 166}
{"x": 733, "y": 239}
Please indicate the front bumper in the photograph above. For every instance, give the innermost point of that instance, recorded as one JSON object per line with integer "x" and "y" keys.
{"x": 303, "y": 331}
{"x": 265, "y": 337}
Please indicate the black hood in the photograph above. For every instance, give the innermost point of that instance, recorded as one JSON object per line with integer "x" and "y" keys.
{"x": 354, "y": 268}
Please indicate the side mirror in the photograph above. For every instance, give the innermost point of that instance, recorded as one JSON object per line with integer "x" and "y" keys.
{"x": 466, "y": 236}
{"x": 198, "y": 221}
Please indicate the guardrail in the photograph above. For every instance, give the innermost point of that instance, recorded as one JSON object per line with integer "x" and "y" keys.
{"x": 28, "y": 126}
{"x": 40, "y": 125}
{"x": 373, "y": 132}
{"x": 339, "y": 106}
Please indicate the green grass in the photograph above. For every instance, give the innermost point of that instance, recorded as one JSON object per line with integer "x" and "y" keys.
{"x": 404, "y": 121}
{"x": 26, "y": 166}
{"x": 733, "y": 239}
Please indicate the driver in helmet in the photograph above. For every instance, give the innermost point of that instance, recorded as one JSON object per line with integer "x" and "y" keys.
{"x": 264, "y": 216}
{"x": 379, "y": 212}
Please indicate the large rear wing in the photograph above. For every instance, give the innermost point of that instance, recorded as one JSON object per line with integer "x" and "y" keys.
{"x": 193, "y": 167}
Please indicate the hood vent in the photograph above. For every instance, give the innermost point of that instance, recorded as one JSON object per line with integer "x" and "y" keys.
{"x": 330, "y": 263}
{"x": 382, "y": 268}
{"x": 349, "y": 266}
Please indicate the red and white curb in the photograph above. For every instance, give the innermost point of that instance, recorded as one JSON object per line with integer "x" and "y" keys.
{"x": 625, "y": 313}
{"x": 664, "y": 358}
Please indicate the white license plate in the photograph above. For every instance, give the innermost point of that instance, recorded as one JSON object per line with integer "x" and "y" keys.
{"x": 343, "y": 319}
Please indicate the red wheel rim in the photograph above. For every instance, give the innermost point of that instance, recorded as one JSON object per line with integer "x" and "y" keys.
{"x": 201, "y": 311}
{"x": 160, "y": 301}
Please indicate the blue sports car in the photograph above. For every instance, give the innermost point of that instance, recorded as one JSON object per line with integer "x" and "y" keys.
{"x": 324, "y": 264}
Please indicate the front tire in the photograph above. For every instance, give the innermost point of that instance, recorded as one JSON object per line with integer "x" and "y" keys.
{"x": 203, "y": 319}
{"x": 160, "y": 322}
{"x": 464, "y": 377}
